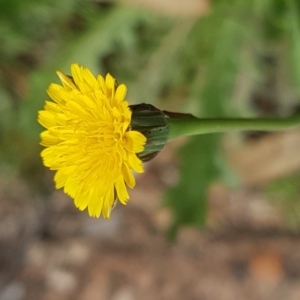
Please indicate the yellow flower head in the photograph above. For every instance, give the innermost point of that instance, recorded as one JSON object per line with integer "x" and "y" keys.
{"x": 89, "y": 141}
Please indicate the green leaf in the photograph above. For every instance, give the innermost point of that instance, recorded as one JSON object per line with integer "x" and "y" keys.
{"x": 102, "y": 37}
{"x": 200, "y": 158}
{"x": 188, "y": 198}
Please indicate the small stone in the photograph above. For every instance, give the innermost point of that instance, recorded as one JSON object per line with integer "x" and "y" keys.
{"x": 61, "y": 281}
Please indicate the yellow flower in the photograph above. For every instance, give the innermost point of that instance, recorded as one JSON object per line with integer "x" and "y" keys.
{"x": 89, "y": 141}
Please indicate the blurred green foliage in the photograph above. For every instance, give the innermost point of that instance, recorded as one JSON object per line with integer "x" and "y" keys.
{"x": 240, "y": 58}
{"x": 284, "y": 193}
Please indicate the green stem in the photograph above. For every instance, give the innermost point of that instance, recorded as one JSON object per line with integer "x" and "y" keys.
{"x": 194, "y": 126}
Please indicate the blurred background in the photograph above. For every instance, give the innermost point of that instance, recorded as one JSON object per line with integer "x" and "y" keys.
{"x": 214, "y": 217}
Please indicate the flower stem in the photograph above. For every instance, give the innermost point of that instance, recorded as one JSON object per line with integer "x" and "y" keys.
{"x": 183, "y": 126}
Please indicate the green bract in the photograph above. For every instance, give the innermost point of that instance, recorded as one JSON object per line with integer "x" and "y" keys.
{"x": 152, "y": 123}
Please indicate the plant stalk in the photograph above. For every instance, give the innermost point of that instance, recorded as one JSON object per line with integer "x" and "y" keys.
{"x": 189, "y": 125}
